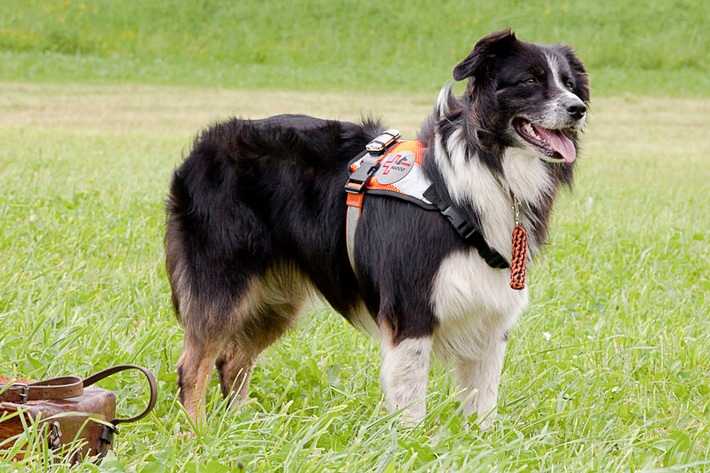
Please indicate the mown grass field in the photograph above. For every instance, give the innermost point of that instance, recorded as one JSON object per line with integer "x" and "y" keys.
{"x": 608, "y": 370}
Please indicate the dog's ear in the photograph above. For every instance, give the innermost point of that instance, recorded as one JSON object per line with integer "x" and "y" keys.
{"x": 485, "y": 48}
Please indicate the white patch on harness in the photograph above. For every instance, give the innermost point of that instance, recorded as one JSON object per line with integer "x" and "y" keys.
{"x": 399, "y": 175}
{"x": 395, "y": 166}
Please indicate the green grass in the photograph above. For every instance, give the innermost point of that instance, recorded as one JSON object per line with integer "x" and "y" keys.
{"x": 654, "y": 47}
{"x": 607, "y": 371}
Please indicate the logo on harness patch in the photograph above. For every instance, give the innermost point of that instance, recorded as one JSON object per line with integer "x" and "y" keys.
{"x": 394, "y": 167}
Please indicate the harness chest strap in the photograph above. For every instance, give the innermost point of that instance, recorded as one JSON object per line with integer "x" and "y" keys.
{"x": 392, "y": 168}
{"x": 468, "y": 230}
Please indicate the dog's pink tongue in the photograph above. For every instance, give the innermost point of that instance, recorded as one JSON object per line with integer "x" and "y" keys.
{"x": 559, "y": 142}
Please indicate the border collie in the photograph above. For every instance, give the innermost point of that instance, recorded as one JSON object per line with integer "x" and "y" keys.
{"x": 256, "y": 223}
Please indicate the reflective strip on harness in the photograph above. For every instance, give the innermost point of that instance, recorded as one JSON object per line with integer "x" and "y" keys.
{"x": 354, "y": 203}
{"x": 396, "y": 172}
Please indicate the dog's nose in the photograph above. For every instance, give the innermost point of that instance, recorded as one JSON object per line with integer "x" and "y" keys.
{"x": 577, "y": 110}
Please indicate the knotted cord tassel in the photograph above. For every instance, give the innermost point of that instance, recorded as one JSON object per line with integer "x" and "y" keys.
{"x": 519, "y": 258}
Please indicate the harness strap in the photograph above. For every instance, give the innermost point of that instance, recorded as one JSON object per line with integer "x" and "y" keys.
{"x": 358, "y": 182}
{"x": 469, "y": 231}
{"x": 355, "y": 187}
{"x": 354, "y": 203}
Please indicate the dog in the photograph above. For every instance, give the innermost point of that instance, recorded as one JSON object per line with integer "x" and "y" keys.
{"x": 256, "y": 224}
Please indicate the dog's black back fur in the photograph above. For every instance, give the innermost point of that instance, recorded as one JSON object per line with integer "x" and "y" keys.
{"x": 252, "y": 192}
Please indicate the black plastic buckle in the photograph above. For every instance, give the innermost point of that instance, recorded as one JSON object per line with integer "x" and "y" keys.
{"x": 465, "y": 228}
{"x": 359, "y": 179}
{"x": 383, "y": 141}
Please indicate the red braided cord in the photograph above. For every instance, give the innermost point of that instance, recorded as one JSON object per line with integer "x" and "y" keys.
{"x": 519, "y": 258}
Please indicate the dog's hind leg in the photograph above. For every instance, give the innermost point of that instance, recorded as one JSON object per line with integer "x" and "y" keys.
{"x": 235, "y": 365}
{"x": 275, "y": 303}
{"x": 208, "y": 318}
{"x": 236, "y": 361}
{"x": 479, "y": 378}
{"x": 194, "y": 369}
{"x": 404, "y": 375}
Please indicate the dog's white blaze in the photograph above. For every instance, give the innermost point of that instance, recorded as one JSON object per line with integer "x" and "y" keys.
{"x": 555, "y": 68}
{"x": 404, "y": 375}
{"x": 555, "y": 115}
{"x": 472, "y": 302}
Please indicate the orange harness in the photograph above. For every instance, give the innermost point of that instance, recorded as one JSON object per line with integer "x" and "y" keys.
{"x": 397, "y": 172}
{"x": 395, "y": 168}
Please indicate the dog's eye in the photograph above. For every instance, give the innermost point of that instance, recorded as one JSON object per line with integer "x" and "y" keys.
{"x": 569, "y": 85}
{"x": 529, "y": 81}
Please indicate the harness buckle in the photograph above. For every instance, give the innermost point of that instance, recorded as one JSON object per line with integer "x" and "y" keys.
{"x": 464, "y": 228}
{"x": 359, "y": 179}
{"x": 383, "y": 141}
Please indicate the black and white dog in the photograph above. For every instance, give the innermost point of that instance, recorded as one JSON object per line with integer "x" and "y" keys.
{"x": 256, "y": 222}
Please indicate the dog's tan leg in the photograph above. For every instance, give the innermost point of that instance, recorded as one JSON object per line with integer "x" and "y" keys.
{"x": 479, "y": 379}
{"x": 404, "y": 375}
{"x": 235, "y": 366}
{"x": 194, "y": 368}
{"x": 255, "y": 333}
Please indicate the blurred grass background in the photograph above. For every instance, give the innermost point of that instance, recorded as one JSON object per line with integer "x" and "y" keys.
{"x": 657, "y": 47}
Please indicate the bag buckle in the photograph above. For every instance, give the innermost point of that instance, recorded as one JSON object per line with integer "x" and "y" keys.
{"x": 359, "y": 179}
{"x": 383, "y": 141}
{"x": 24, "y": 395}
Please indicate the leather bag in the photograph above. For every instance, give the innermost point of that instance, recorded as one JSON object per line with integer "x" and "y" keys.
{"x": 73, "y": 418}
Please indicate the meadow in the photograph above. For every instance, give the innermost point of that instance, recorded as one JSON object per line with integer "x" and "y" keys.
{"x": 655, "y": 47}
{"x": 608, "y": 368}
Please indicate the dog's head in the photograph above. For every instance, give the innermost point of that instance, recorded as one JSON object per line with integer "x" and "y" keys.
{"x": 525, "y": 95}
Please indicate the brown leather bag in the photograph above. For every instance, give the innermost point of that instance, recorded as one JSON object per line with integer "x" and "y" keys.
{"x": 73, "y": 418}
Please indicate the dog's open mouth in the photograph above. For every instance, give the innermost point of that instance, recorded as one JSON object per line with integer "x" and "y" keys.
{"x": 551, "y": 143}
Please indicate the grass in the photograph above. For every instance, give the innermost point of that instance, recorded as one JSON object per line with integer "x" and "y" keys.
{"x": 607, "y": 370}
{"x": 654, "y": 47}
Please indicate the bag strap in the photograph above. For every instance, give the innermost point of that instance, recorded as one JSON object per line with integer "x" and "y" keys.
{"x": 96, "y": 377}
{"x": 64, "y": 387}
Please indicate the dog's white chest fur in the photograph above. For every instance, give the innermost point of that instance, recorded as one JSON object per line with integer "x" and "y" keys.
{"x": 473, "y": 304}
